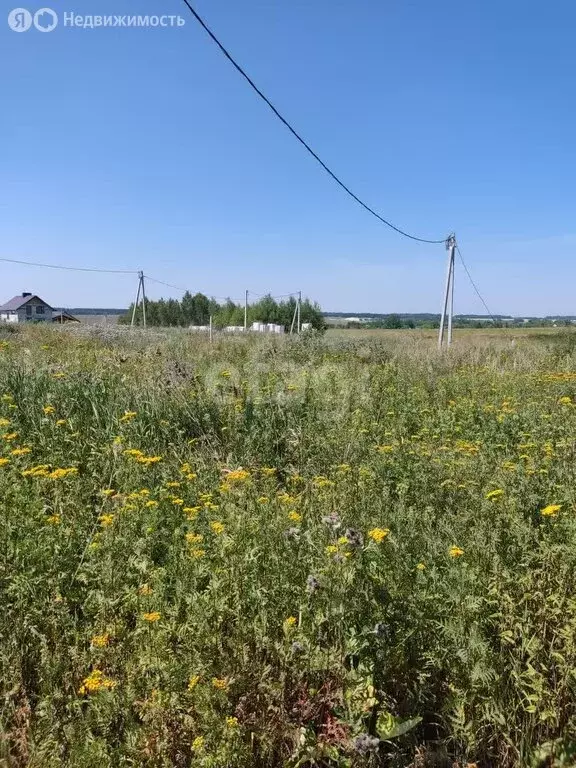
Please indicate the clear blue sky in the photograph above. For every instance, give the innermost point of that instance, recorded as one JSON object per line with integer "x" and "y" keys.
{"x": 143, "y": 148}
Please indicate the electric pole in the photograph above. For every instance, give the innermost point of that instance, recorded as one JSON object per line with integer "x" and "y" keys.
{"x": 448, "y": 305}
{"x": 246, "y": 311}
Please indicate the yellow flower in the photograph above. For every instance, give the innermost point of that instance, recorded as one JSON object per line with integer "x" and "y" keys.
{"x": 106, "y": 520}
{"x": 342, "y": 541}
{"x": 198, "y": 553}
{"x": 108, "y": 492}
{"x": 176, "y": 501}
{"x": 48, "y": 409}
{"x": 455, "y": 551}
{"x": 220, "y": 683}
{"x": 225, "y": 374}
{"x": 262, "y": 499}
{"x": 53, "y": 519}
{"x": 268, "y": 471}
{"x": 147, "y": 460}
{"x": 128, "y": 415}
{"x": 145, "y": 589}
{"x": 194, "y": 538}
{"x": 290, "y": 622}
{"x": 60, "y": 422}
{"x": 151, "y": 504}
{"x": 378, "y": 534}
{"x": 100, "y": 641}
{"x": 217, "y": 527}
{"x": 10, "y": 436}
{"x": 420, "y": 567}
{"x": 173, "y": 484}
{"x": 331, "y": 549}
{"x": 495, "y": 493}
{"x": 296, "y": 517}
{"x": 59, "y": 375}
{"x": 193, "y": 682}
{"x": 4, "y": 422}
{"x": 57, "y": 474}
{"x": 237, "y": 476}
{"x": 4, "y": 461}
{"x": 96, "y": 681}
{"x": 550, "y": 510}
{"x": 198, "y": 743}
{"x": 565, "y": 400}
{"x": 151, "y": 617}
{"x": 191, "y": 512}
{"x": 232, "y": 722}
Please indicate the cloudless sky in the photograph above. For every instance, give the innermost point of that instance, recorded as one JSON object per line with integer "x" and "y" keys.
{"x": 139, "y": 148}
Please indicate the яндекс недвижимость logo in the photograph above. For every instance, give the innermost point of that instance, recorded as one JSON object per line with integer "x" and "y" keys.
{"x": 21, "y": 20}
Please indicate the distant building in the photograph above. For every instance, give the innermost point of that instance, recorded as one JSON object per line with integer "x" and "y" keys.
{"x": 26, "y": 308}
{"x": 64, "y": 317}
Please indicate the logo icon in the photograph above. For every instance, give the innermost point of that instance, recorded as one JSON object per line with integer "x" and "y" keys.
{"x": 19, "y": 20}
{"x": 45, "y": 20}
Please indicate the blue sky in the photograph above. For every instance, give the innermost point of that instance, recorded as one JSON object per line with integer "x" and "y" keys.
{"x": 143, "y": 148}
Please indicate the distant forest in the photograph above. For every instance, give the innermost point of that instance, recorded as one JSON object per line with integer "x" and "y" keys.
{"x": 197, "y": 309}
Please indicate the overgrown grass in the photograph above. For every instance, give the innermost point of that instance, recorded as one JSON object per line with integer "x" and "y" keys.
{"x": 271, "y": 552}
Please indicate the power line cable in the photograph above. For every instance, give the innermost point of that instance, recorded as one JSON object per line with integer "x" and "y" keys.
{"x": 297, "y": 135}
{"x": 183, "y": 290}
{"x": 72, "y": 269}
{"x": 486, "y": 307}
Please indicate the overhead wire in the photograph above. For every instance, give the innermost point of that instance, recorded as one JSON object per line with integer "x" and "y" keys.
{"x": 72, "y": 269}
{"x": 486, "y": 307}
{"x": 297, "y": 136}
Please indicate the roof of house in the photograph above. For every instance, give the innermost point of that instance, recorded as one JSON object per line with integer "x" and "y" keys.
{"x": 19, "y": 301}
{"x": 64, "y": 316}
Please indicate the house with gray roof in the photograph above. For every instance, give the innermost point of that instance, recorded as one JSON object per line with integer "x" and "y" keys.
{"x": 26, "y": 308}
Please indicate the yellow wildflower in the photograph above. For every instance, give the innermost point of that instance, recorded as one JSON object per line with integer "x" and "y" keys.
{"x": 4, "y": 461}
{"x": 4, "y": 422}
{"x": 378, "y": 534}
{"x": 565, "y": 400}
{"x": 96, "y": 681}
{"x": 193, "y": 682}
{"x": 220, "y": 683}
{"x": 194, "y": 538}
{"x": 198, "y": 553}
{"x": 296, "y": 517}
{"x": 53, "y": 519}
{"x": 455, "y": 551}
{"x": 106, "y": 520}
{"x": 191, "y": 512}
{"x": 151, "y": 504}
{"x": 10, "y": 436}
{"x": 100, "y": 641}
{"x": 232, "y": 722}
{"x": 262, "y": 499}
{"x": 176, "y": 501}
{"x": 152, "y": 616}
{"x": 237, "y": 476}
{"x": 225, "y": 374}
{"x": 147, "y": 460}
{"x": 128, "y": 416}
{"x": 173, "y": 484}
{"x": 342, "y": 541}
{"x": 57, "y": 474}
{"x": 217, "y": 527}
{"x": 268, "y": 471}
{"x": 420, "y": 567}
{"x": 290, "y": 622}
{"x": 550, "y": 510}
{"x": 198, "y": 743}
{"x": 145, "y": 589}
{"x": 48, "y": 409}
{"x": 495, "y": 493}
{"x": 60, "y": 422}
{"x": 331, "y": 549}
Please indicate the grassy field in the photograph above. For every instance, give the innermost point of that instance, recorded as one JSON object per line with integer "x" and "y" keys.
{"x": 287, "y": 552}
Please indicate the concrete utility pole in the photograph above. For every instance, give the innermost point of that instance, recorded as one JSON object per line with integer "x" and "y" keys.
{"x": 298, "y": 323}
{"x": 246, "y": 311}
{"x": 141, "y": 292}
{"x": 448, "y": 305}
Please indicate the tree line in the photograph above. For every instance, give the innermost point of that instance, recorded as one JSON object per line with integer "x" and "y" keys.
{"x": 197, "y": 309}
